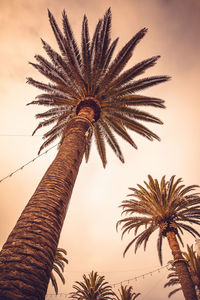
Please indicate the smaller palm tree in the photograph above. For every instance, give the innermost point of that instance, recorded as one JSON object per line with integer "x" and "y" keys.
{"x": 167, "y": 207}
{"x": 126, "y": 293}
{"x": 58, "y": 267}
{"x": 94, "y": 287}
{"x": 194, "y": 268}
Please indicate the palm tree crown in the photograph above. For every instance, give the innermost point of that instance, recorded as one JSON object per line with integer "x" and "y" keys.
{"x": 126, "y": 293}
{"x": 90, "y": 78}
{"x": 94, "y": 287}
{"x": 167, "y": 206}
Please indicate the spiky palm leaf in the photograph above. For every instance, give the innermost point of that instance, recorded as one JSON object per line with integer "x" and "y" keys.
{"x": 167, "y": 206}
{"x": 58, "y": 267}
{"x": 126, "y": 293}
{"x": 90, "y": 77}
{"x": 94, "y": 287}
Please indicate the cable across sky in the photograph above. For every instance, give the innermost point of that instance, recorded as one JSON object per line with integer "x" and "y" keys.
{"x": 21, "y": 168}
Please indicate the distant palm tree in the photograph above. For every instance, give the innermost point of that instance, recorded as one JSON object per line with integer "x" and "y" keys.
{"x": 126, "y": 293}
{"x": 94, "y": 287}
{"x": 193, "y": 261}
{"x": 58, "y": 267}
{"x": 90, "y": 97}
{"x": 168, "y": 207}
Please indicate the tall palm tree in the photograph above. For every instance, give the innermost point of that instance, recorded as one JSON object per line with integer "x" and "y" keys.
{"x": 90, "y": 97}
{"x": 93, "y": 287}
{"x": 126, "y": 293}
{"x": 193, "y": 261}
{"x": 168, "y": 207}
{"x": 58, "y": 267}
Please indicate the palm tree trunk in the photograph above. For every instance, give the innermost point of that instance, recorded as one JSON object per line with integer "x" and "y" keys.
{"x": 26, "y": 258}
{"x": 198, "y": 292}
{"x": 181, "y": 267}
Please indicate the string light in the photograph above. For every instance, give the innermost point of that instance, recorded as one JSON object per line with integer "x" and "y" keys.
{"x": 121, "y": 282}
{"x": 141, "y": 276}
{"x": 21, "y": 168}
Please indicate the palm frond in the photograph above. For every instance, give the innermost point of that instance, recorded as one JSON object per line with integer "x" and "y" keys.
{"x": 58, "y": 267}
{"x": 86, "y": 63}
{"x": 90, "y": 71}
{"x": 119, "y": 128}
{"x": 121, "y": 59}
{"x": 159, "y": 247}
{"x": 135, "y": 86}
{"x": 70, "y": 37}
{"x": 111, "y": 140}
{"x": 100, "y": 143}
{"x": 137, "y": 100}
{"x": 58, "y": 34}
{"x": 105, "y": 37}
{"x": 131, "y": 73}
{"x": 54, "y": 283}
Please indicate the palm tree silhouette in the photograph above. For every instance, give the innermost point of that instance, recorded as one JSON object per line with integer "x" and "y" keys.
{"x": 93, "y": 287}
{"x": 90, "y": 98}
{"x": 126, "y": 293}
{"x": 166, "y": 207}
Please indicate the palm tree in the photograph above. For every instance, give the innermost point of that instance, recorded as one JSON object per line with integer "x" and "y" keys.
{"x": 93, "y": 287}
{"x": 90, "y": 97}
{"x": 126, "y": 293}
{"x": 58, "y": 267}
{"x": 193, "y": 261}
{"x": 168, "y": 207}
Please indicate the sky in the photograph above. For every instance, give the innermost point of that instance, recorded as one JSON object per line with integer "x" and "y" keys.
{"x": 89, "y": 234}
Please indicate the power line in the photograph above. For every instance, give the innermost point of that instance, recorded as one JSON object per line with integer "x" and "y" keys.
{"x": 10, "y": 175}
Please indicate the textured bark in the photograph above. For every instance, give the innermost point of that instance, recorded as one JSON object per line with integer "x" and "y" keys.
{"x": 27, "y": 257}
{"x": 180, "y": 264}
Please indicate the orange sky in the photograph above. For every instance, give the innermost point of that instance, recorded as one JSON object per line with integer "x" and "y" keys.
{"x": 89, "y": 233}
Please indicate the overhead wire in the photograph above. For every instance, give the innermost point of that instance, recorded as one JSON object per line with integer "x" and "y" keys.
{"x": 10, "y": 175}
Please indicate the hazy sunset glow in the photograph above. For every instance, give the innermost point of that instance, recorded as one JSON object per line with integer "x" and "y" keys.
{"x": 89, "y": 234}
